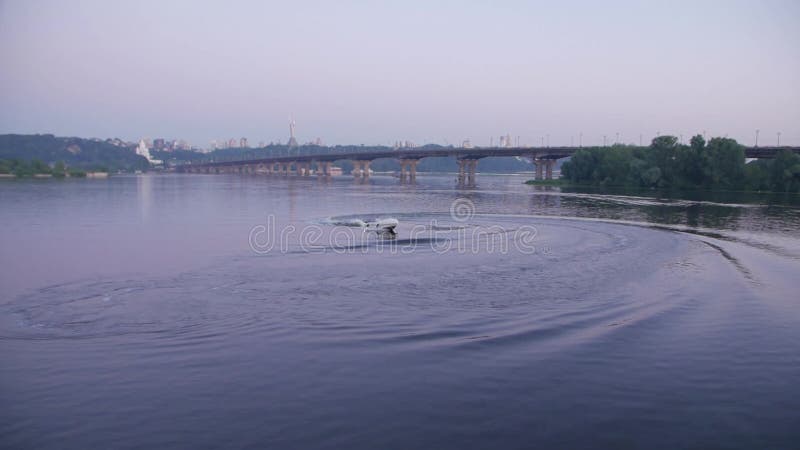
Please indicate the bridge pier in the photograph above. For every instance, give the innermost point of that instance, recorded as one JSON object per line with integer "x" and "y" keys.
{"x": 361, "y": 168}
{"x": 408, "y": 169}
{"x": 539, "y": 167}
{"x": 549, "y": 169}
{"x": 324, "y": 168}
{"x": 412, "y": 165}
{"x": 466, "y": 170}
{"x": 472, "y": 166}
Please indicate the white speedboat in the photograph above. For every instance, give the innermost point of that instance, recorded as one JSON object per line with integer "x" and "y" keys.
{"x": 383, "y": 226}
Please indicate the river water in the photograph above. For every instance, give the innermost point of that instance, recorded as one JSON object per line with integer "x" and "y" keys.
{"x": 233, "y": 311}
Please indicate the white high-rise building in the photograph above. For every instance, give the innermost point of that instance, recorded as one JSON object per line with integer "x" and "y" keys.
{"x": 142, "y": 150}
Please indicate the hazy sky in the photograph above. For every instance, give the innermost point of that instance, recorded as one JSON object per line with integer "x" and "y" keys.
{"x": 375, "y": 72}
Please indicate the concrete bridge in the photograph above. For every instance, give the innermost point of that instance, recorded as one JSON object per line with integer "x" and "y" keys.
{"x": 544, "y": 158}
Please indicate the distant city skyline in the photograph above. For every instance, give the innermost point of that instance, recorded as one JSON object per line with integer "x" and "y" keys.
{"x": 444, "y": 73}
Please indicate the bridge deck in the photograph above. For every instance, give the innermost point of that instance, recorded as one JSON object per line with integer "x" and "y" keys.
{"x": 461, "y": 153}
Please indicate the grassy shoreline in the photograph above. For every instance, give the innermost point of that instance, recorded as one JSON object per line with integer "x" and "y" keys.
{"x": 553, "y": 182}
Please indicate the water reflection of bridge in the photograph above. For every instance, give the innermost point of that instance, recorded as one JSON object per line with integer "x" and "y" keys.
{"x": 544, "y": 158}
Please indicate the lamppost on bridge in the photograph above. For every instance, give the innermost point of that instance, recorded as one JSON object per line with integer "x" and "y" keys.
{"x": 640, "y": 139}
{"x": 604, "y": 140}
{"x": 548, "y": 140}
{"x": 779, "y": 138}
{"x": 580, "y": 139}
{"x": 757, "y": 131}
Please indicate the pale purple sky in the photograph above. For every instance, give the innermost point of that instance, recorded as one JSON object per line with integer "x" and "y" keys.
{"x": 376, "y": 72}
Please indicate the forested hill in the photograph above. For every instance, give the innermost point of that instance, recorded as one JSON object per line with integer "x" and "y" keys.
{"x": 73, "y": 152}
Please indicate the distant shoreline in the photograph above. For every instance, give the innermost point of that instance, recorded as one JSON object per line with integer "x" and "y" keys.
{"x": 48, "y": 176}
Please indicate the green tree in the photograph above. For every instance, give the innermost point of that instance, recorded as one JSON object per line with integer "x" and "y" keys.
{"x": 38, "y": 166}
{"x": 663, "y": 155}
{"x": 757, "y": 175}
{"x": 59, "y": 170}
{"x": 691, "y": 162}
{"x": 724, "y": 163}
{"x": 785, "y": 172}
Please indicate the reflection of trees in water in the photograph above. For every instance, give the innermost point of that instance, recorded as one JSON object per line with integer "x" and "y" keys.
{"x": 771, "y": 218}
{"x": 712, "y": 216}
{"x": 749, "y": 211}
{"x": 545, "y": 200}
{"x": 670, "y": 215}
{"x": 654, "y": 207}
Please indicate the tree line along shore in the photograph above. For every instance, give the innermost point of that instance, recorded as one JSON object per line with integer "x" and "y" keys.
{"x": 718, "y": 164}
{"x": 38, "y": 169}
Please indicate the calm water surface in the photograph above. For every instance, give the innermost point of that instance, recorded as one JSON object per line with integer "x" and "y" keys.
{"x": 198, "y": 311}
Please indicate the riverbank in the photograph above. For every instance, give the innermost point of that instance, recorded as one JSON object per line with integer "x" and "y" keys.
{"x": 553, "y": 182}
{"x": 75, "y": 174}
